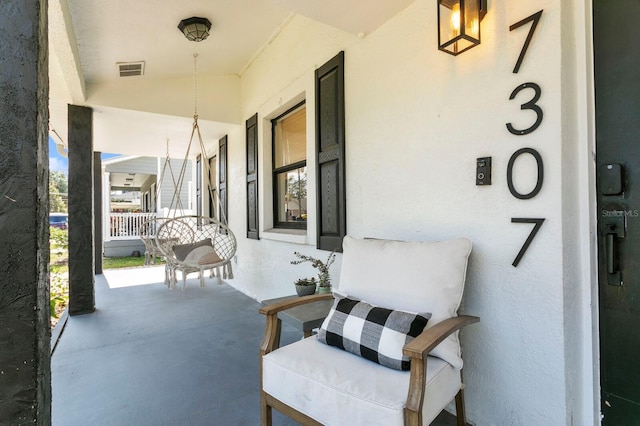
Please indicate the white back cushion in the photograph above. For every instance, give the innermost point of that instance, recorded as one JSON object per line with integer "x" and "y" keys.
{"x": 409, "y": 276}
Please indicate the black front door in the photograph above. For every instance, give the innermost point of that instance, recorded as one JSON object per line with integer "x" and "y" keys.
{"x": 617, "y": 81}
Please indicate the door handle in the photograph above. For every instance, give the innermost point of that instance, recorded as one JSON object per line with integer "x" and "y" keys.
{"x": 611, "y": 249}
{"x": 614, "y": 228}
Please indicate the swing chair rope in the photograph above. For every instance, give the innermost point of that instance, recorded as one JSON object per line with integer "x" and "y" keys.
{"x": 173, "y": 180}
{"x": 209, "y": 241}
{"x": 162, "y": 172}
{"x": 176, "y": 198}
{"x": 176, "y": 201}
{"x": 195, "y": 85}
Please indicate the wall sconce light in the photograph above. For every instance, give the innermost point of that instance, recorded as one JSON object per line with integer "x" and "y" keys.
{"x": 459, "y": 24}
{"x": 195, "y": 29}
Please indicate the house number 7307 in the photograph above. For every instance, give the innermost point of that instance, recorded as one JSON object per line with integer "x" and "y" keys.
{"x": 532, "y": 105}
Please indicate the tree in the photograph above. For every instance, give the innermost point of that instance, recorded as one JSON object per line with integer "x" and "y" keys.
{"x": 57, "y": 191}
{"x": 297, "y": 188}
{"x": 59, "y": 181}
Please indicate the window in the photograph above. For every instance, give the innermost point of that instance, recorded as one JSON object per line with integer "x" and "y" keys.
{"x": 289, "y": 136}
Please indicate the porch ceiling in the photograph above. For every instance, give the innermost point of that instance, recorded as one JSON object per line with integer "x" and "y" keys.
{"x": 89, "y": 37}
{"x": 128, "y": 180}
{"x": 130, "y": 132}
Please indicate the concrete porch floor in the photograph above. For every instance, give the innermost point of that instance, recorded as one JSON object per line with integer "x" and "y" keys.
{"x": 152, "y": 356}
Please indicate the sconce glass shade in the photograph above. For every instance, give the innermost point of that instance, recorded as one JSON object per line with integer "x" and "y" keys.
{"x": 195, "y": 29}
{"x": 459, "y": 25}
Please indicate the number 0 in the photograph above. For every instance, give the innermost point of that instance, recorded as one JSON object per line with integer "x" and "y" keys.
{"x": 540, "y": 179}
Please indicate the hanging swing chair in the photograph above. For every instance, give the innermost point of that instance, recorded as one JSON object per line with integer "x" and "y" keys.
{"x": 192, "y": 243}
{"x": 148, "y": 233}
{"x": 197, "y": 244}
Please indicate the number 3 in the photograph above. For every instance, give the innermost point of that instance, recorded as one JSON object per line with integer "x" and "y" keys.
{"x": 528, "y": 105}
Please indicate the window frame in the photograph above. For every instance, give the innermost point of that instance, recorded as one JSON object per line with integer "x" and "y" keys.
{"x": 276, "y": 171}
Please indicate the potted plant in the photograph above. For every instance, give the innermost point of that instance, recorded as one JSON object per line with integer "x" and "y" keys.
{"x": 306, "y": 286}
{"x": 324, "y": 279}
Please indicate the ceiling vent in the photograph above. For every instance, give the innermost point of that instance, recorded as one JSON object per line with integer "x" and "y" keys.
{"x": 130, "y": 69}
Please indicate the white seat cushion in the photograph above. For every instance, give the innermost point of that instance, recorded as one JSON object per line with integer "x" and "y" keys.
{"x": 335, "y": 387}
{"x": 409, "y": 276}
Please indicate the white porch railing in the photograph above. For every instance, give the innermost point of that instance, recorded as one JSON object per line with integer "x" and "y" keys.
{"x": 126, "y": 226}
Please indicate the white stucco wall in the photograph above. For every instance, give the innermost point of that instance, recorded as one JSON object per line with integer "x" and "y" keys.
{"x": 416, "y": 120}
{"x": 579, "y": 216}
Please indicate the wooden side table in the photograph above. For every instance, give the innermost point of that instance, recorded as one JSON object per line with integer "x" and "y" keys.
{"x": 304, "y": 318}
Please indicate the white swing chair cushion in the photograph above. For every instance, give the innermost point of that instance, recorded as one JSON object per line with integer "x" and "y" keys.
{"x": 198, "y": 253}
{"x": 374, "y": 333}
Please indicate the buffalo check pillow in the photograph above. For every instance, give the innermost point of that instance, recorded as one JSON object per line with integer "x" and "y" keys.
{"x": 374, "y": 333}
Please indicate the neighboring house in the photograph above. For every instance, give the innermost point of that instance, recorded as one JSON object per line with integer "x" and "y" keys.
{"x": 135, "y": 190}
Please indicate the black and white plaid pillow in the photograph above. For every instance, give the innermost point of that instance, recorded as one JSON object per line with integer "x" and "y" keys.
{"x": 377, "y": 334}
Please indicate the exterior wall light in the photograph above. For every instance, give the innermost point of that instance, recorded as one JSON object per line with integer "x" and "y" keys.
{"x": 459, "y": 24}
{"x": 195, "y": 29}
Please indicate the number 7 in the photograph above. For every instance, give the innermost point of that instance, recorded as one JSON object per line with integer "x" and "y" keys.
{"x": 537, "y": 225}
{"x": 535, "y": 18}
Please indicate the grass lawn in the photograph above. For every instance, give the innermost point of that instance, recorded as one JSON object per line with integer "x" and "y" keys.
{"x": 59, "y": 274}
{"x": 125, "y": 262}
{"x": 59, "y": 270}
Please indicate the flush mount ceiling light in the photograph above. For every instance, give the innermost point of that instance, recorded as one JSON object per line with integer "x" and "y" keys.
{"x": 195, "y": 29}
{"x": 459, "y": 24}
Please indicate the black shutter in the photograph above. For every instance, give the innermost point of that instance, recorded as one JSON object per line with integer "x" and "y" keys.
{"x": 330, "y": 142}
{"x": 252, "y": 177}
{"x": 222, "y": 179}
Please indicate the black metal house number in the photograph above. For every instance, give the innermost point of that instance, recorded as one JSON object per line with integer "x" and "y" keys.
{"x": 533, "y": 106}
